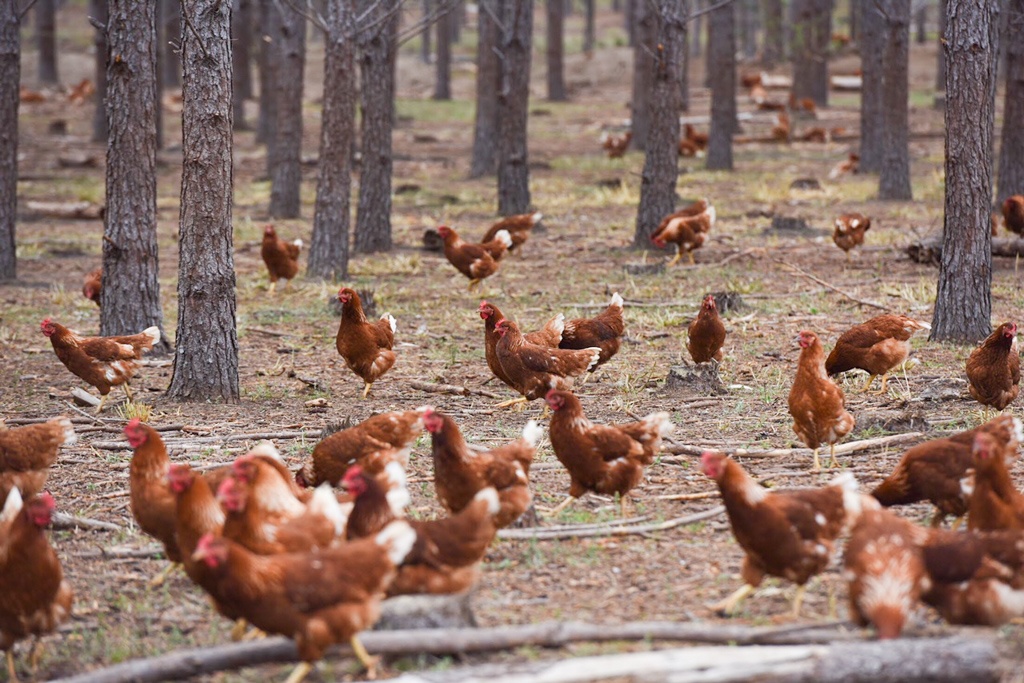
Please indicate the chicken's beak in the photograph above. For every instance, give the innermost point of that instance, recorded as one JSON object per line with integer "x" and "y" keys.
{"x": 199, "y": 555}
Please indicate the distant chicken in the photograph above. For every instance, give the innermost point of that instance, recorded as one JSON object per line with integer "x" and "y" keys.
{"x": 103, "y": 362}
{"x": 995, "y": 503}
{"x": 475, "y": 261}
{"x": 815, "y": 402}
{"x": 365, "y": 346}
{"x": 877, "y": 346}
{"x": 802, "y": 104}
{"x": 26, "y": 454}
{"x": 531, "y": 369}
{"x": 885, "y": 568}
{"x": 850, "y": 165}
{"x": 993, "y": 369}
{"x": 604, "y": 330}
{"x": 849, "y": 231}
{"x": 686, "y": 229}
{"x": 550, "y": 335}
{"x": 371, "y": 444}
{"x": 280, "y": 257}
{"x": 461, "y": 473}
{"x": 933, "y": 470}
{"x": 687, "y": 148}
{"x": 605, "y": 459}
{"x": 789, "y": 534}
{"x": 700, "y": 140}
{"x": 781, "y": 131}
{"x": 518, "y": 227}
{"x": 706, "y": 333}
{"x": 92, "y": 286}
{"x": 1013, "y": 214}
{"x": 616, "y": 145}
{"x": 35, "y": 598}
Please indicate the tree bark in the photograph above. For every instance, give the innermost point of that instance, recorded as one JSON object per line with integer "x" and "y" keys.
{"x": 328, "y": 251}
{"x": 658, "y": 181}
{"x": 170, "y": 60}
{"x": 98, "y": 11}
{"x": 696, "y": 30}
{"x": 379, "y": 46}
{"x": 940, "y": 71}
{"x": 284, "y": 149}
{"x": 774, "y": 43}
{"x": 241, "y": 36}
{"x": 684, "y": 73}
{"x": 748, "y": 27}
{"x": 1011, "y": 151}
{"x": 556, "y": 50}
{"x": 643, "y": 73}
{"x": 206, "y": 353}
{"x": 963, "y": 303}
{"x": 443, "y": 65}
{"x": 425, "y": 49}
{"x": 921, "y": 21}
{"x": 268, "y": 68}
{"x": 855, "y": 14}
{"x": 488, "y": 78}
{"x": 812, "y": 32}
{"x": 131, "y": 285}
{"x": 46, "y": 40}
{"x": 872, "y": 94}
{"x": 589, "y": 28}
{"x": 629, "y": 21}
{"x": 10, "y": 75}
{"x": 516, "y": 44}
{"x": 722, "y": 58}
{"x": 894, "y": 180}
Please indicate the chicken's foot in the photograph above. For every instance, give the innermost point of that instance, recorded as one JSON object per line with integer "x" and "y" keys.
{"x": 299, "y": 673}
{"x": 867, "y": 385}
{"x": 369, "y": 662}
{"x": 473, "y": 283}
{"x": 676, "y": 258}
{"x": 255, "y": 634}
{"x": 34, "y": 655}
{"x": 128, "y": 392}
{"x": 159, "y": 579}
{"x": 366, "y": 389}
{"x": 103, "y": 402}
{"x": 238, "y": 631}
{"x": 11, "y": 673}
{"x": 271, "y": 288}
{"x": 511, "y": 402}
{"x": 728, "y": 606}
{"x": 817, "y": 462}
{"x": 831, "y": 455}
{"x": 798, "y": 599}
{"x": 561, "y": 506}
{"x": 885, "y": 385}
{"x": 693, "y": 261}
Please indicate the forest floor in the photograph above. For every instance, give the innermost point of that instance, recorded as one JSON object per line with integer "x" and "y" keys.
{"x": 573, "y": 266}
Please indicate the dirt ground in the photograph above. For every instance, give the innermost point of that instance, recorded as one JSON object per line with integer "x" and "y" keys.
{"x": 589, "y": 204}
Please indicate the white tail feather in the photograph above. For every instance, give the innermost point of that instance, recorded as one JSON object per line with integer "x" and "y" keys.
{"x": 398, "y": 493}
{"x": 398, "y": 537}
{"x": 325, "y": 503}
{"x": 391, "y": 321}
{"x": 70, "y": 436}
{"x": 491, "y": 496}
{"x": 504, "y": 237}
{"x": 596, "y": 356}
{"x": 616, "y": 300}
{"x": 153, "y": 333}
{"x": 661, "y": 421}
{"x": 846, "y": 481}
{"x": 535, "y": 218}
{"x": 298, "y": 243}
{"x": 268, "y": 449}
{"x": 12, "y": 506}
{"x": 711, "y": 215}
{"x": 532, "y": 433}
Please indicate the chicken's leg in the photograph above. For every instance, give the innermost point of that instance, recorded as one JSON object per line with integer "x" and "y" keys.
{"x": 885, "y": 384}
{"x": 128, "y": 392}
{"x": 817, "y": 462}
{"x": 677, "y": 257}
{"x": 299, "y": 673}
{"x": 847, "y": 256}
{"x": 798, "y": 599}
{"x": 561, "y": 506}
{"x": 366, "y": 389}
{"x": 369, "y": 662}
{"x": 512, "y": 402}
{"x": 34, "y": 655}
{"x": 728, "y": 606}
{"x": 271, "y": 288}
{"x": 871, "y": 378}
{"x": 473, "y": 283}
{"x": 693, "y": 261}
{"x": 957, "y": 522}
{"x": 11, "y": 673}
{"x": 159, "y": 579}
{"x": 103, "y": 402}
{"x": 831, "y": 455}
{"x": 238, "y": 631}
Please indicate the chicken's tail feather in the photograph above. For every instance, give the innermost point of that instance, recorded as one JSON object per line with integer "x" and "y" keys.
{"x": 661, "y": 421}
{"x": 616, "y": 300}
{"x": 268, "y": 449}
{"x": 397, "y": 538}
{"x": 391, "y": 321}
{"x": 398, "y": 493}
{"x": 153, "y": 333}
{"x": 325, "y": 503}
{"x": 489, "y": 494}
{"x": 504, "y": 237}
{"x": 535, "y": 218}
{"x": 596, "y": 356}
{"x": 13, "y": 504}
{"x": 298, "y": 243}
{"x": 532, "y": 433}
{"x": 68, "y": 430}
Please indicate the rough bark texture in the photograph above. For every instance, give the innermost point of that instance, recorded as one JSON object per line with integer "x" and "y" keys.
{"x": 921, "y": 23}
{"x": 328, "y": 251}
{"x": 488, "y": 76}
{"x": 589, "y": 30}
{"x": 894, "y": 180}
{"x": 812, "y": 32}
{"x": 443, "y": 65}
{"x": 629, "y": 21}
{"x": 425, "y": 50}
{"x": 377, "y": 67}
{"x": 170, "y": 60}
{"x": 722, "y": 56}
{"x": 515, "y": 44}
{"x": 684, "y": 72}
{"x": 872, "y": 43}
{"x": 854, "y": 18}
{"x": 206, "y": 353}
{"x": 963, "y": 303}
{"x": 774, "y": 45}
{"x": 158, "y": 94}
{"x": 1011, "y": 152}
{"x": 241, "y": 73}
{"x": 747, "y": 12}
{"x": 10, "y": 74}
{"x": 940, "y": 72}
{"x": 556, "y": 50}
{"x": 646, "y": 28}
{"x": 131, "y": 288}
{"x": 98, "y": 11}
{"x": 658, "y": 182}
{"x": 268, "y": 66}
{"x": 696, "y": 29}
{"x": 46, "y": 40}
{"x": 284, "y": 149}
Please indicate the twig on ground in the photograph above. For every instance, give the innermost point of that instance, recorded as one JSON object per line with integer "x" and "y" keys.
{"x": 451, "y": 389}
{"x": 616, "y": 528}
{"x": 182, "y": 443}
{"x": 62, "y": 521}
{"x": 835, "y": 289}
{"x": 841, "y": 449}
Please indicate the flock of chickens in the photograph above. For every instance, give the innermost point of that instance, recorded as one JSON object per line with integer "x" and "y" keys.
{"x": 287, "y": 554}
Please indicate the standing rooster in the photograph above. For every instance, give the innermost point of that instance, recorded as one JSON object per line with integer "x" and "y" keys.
{"x": 993, "y": 369}
{"x": 686, "y": 229}
{"x": 518, "y": 228}
{"x": 877, "y": 346}
{"x": 604, "y": 331}
{"x": 849, "y": 231}
{"x": 605, "y": 459}
{"x": 706, "y": 333}
{"x": 816, "y": 403}
{"x": 532, "y": 370}
{"x": 103, "y": 362}
{"x": 365, "y": 346}
{"x": 281, "y": 258}
{"x": 475, "y": 261}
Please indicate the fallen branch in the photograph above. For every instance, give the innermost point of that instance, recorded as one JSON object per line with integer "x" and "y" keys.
{"x": 813, "y": 278}
{"x": 610, "y": 529}
{"x": 259, "y": 436}
{"x": 451, "y": 389}
{"x": 63, "y": 521}
{"x": 269, "y": 333}
{"x": 930, "y": 250}
{"x": 841, "y": 449}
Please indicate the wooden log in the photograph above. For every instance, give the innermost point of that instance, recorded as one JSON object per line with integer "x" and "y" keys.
{"x": 930, "y": 250}
{"x": 181, "y": 443}
{"x": 607, "y": 529}
{"x": 841, "y": 449}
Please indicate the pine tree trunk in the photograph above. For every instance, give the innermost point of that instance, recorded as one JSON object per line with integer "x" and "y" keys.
{"x": 513, "y": 104}
{"x": 921, "y": 20}
{"x": 629, "y": 21}
{"x": 377, "y": 68}
{"x": 170, "y": 60}
{"x": 158, "y": 94}
{"x": 488, "y": 77}
{"x": 854, "y": 16}
{"x": 1011, "y": 152}
{"x": 684, "y": 71}
{"x": 894, "y": 181}
{"x": 589, "y": 28}
{"x": 46, "y": 40}
{"x": 98, "y": 11}
{"x": 556, "y": 50}
{"x": 658, "y": 182}
{"x": 646, "y": 29}
{"x": 963, "y": 303}
{"x": 696, "y": 30}
{"x": 872, "y": 126}
{"x": 774, "y": 43}
{"x": 443, "y": 66}
{"x": 10, "y": 75}
{"x": 206, "y": 348}
{"x": 458, "y": 18}
{"x": 748, "y": 27}
{"x": 268, "y": 68}
{"x": 812, "y": 31}
{"x": 131, "y": 285}
{"x": 425, "y": 49}
{"x": 328, "y": 251}
{"x": 722, "y": 55}
{"x": 241, "y": 37}
{"x": 284, "y": 149}
{"x": 940, "y": 71}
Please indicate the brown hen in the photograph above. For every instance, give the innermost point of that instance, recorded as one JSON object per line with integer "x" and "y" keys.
{"x": 993, "y": 369}
{"x": 26, "y": 454}
{"x": 877, "y": 346}
{"x": 816, "y": 404}
{"x": 365, "y": 346}
{"x": 280, "y": 257}
{"x": 532, "y": 370}
{"x": 706, "y": 334}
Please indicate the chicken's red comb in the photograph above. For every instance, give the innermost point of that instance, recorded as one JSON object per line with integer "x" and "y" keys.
{"x": 353, "y": 472}
{"x": 133, "y": 424}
